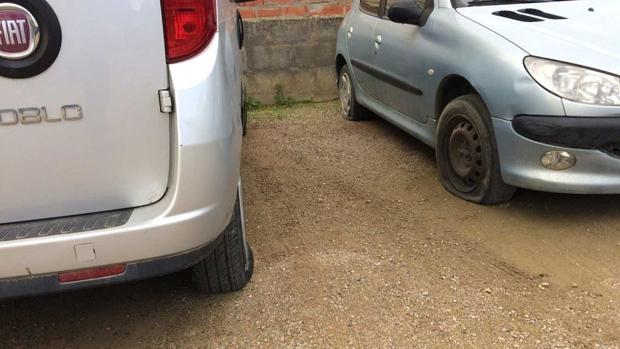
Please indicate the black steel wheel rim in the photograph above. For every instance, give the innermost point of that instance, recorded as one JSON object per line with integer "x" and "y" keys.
{"x": 464, "y": 154}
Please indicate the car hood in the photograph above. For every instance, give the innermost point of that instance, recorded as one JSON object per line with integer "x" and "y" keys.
{"x": 587, "y": 36}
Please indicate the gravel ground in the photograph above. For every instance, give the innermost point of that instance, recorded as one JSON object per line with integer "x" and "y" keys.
{"x": 357, "y": 245}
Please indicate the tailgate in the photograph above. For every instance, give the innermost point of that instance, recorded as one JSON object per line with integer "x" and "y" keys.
{"x": 86, "y": 134}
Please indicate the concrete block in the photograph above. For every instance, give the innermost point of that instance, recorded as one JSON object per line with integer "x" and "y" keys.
{"x": 312, "y": 56}
{"x": 296, "y": 54}
{"x": 272, "y": 57}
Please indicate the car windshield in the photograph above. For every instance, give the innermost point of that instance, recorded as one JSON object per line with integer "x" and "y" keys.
{"x": 466, "y": 3}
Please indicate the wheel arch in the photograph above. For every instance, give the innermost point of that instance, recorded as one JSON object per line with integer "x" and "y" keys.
{"x": 340, "y": 62}
{"x": 451, "y": 87}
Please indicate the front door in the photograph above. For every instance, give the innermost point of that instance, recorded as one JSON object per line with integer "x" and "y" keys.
{"x": 361, "y": 44}
{"x": 401, "y": 64}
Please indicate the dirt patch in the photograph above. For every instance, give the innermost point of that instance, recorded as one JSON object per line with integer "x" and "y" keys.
{"x": 358, "y": 245}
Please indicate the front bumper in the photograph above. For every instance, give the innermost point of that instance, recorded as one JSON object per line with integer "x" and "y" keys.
{"x": 581, "y": 133}
{"x": 596, "y": 172}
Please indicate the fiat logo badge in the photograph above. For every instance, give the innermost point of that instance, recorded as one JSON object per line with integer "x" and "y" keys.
{"x": 19, "y": 32}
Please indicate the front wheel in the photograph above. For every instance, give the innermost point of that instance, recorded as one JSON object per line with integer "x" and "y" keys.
{"x": 467, "y": 154}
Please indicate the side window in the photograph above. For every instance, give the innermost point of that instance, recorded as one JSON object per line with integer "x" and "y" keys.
{"x": 370, "y": 6}
{"x": 421, "y": 4}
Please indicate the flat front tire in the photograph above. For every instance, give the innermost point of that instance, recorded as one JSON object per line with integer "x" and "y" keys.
{"x": 467, "y": 155}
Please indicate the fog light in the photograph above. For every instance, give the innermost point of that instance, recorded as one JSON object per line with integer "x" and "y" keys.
{"x": 558, "y": 160}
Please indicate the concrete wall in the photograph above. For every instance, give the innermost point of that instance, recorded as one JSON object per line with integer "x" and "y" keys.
{"x": 290, "y": 47}
{"x": 292, "y": 58}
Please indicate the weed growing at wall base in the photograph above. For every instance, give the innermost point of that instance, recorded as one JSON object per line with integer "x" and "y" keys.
{"x": 280, "y": 98}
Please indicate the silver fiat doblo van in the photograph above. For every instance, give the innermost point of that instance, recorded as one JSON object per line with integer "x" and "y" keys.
{"x": 120, "y": 140}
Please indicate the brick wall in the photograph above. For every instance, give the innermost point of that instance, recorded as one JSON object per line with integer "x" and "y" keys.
{"x": 294, "y": 8}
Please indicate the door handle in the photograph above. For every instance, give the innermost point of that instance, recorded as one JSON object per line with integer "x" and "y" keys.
{"x": 377, "y": 43}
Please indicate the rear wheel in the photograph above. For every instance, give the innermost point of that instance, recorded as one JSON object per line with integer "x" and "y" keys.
{"x": 244, "y": 111}
{"x": 467, "y": 154}
{"x": 351, "y": 110}
{"x": 229, "y": 267}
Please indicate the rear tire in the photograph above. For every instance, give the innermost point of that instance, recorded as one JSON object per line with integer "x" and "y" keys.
{"x": 244, "y": 111}
{"x": 228, "y": 268}
{"x": 467, "y": 154}
{"x": 351, "y": 109}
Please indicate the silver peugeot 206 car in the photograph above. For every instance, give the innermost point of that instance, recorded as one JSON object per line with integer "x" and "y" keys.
{"x": 510, "y": 93}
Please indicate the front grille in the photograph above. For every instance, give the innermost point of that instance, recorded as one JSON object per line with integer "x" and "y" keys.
{"x": 64, "y": 225}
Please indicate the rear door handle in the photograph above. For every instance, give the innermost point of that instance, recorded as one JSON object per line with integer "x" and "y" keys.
{"x": 378, "y": 39}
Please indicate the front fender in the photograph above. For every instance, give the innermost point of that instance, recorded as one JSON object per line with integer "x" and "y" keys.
{"x": 491, "y": 64}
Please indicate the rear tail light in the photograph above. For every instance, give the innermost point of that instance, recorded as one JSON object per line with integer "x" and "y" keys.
{"x": 189, "y": 27}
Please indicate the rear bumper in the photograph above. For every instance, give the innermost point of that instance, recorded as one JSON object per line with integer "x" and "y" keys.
{"x": 42, "y": 284}
{"x": 193, "y": 213}
{"x": 596, "y": 172}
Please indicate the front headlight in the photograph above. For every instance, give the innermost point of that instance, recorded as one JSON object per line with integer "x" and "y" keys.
{"x": 575, "y": 83}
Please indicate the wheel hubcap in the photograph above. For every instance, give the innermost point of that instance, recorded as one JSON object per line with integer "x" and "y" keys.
{"x": 344, "y": 89}
{"x": 465, "y": 155}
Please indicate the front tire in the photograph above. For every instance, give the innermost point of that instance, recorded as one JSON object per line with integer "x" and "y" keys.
{"x": 467, "y": 155}
{"x": 229, "y": 267}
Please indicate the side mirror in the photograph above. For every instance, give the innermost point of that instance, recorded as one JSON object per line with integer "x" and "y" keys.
{"x": 405, "y": 12}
